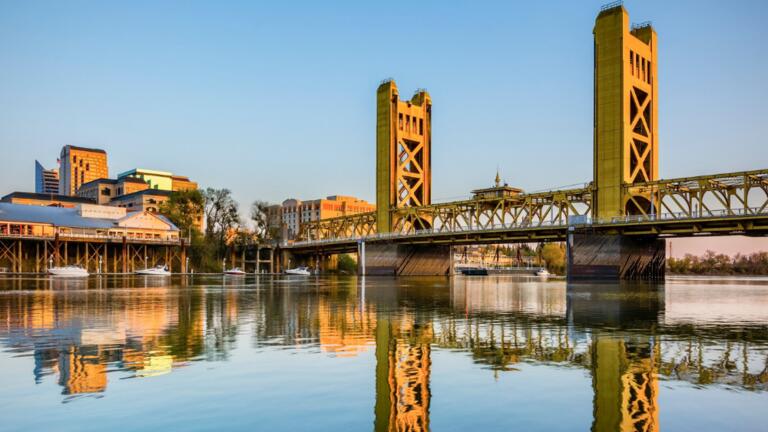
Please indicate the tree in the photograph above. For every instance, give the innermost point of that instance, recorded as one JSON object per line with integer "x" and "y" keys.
{"x": 260, "y": 218}
{"x": 553, "y": 255}
{"x": 221, "y": 213}
{"x": 184, "y": 209}
{"x": 347, "y": 264}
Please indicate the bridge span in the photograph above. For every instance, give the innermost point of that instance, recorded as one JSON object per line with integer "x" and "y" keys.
{"x": 614, "y": 226}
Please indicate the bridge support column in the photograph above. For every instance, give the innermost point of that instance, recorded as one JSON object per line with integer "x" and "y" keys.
{"x": 599, "y": 257}
{"x": 405, "y": 260}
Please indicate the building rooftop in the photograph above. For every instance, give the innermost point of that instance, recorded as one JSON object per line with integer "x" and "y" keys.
{"x": 85, "y": 149}
{"x": 45, "y": 196}
{"x": 114, "y": 181}
{"x": 155, "y": 192}
{"x": 144, "y": 171}
{"x": 63, "y": 217}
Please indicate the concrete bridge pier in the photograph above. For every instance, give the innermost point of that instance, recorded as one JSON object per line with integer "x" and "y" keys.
{"x": 387, "y": 259}
{"x": 606, "y": 257}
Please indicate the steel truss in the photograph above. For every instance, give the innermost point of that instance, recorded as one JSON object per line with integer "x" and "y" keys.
{"x": 739, "y": 195}
{"x": 732, "y": 194}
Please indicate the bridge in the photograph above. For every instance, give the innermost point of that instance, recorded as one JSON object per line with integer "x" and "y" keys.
{"x": 614, "y": 225}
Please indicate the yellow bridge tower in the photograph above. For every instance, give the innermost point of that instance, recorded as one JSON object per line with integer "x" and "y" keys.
{"x": 625, "y": 122}
{"x": 403, "y": 152}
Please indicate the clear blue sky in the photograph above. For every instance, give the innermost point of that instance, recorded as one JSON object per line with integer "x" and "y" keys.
{"x": 277, "y": 99}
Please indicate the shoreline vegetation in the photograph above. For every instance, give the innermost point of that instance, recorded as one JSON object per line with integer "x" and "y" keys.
{"x": 223, "y": 227}
{"x": 714, "y": 264}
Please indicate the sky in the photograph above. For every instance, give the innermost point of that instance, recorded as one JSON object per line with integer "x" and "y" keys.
{"x": 277, "y": 99}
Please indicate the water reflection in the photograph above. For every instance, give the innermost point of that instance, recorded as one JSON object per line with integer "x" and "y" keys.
{"x": 84, "y": 334}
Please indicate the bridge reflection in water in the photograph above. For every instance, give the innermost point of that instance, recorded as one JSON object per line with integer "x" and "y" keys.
{"x": 625, "y": 338}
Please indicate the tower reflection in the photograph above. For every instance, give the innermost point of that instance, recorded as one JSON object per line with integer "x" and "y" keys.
{"x": 625, "y": 353}
{"x": 403, "y": 367}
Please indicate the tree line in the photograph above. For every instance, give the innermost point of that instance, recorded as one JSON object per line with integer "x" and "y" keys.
{"x": 222, "y": 226}
{"x": 712, "y": 263}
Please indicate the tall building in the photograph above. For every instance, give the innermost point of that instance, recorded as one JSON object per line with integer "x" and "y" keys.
{"x": 46, "y": 180}
{"x": 626, "y": 139}
{"x": 403, "y": 151}
{"x": 160, "y": 180}
{"x": 79, "y": 165}
{"x": 292, "y": 213}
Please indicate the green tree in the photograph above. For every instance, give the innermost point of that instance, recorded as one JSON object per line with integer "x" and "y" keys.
{"x": 184, "y": 209}
{"x": 347, "y": 264}
{"x": 553, "y": 254}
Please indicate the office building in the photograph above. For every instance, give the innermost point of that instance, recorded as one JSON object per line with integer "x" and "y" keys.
{"x": 160, "y": 180}
{"x": 289, "y": 216}
{"x": 46, "y": 180}
{"x": 79, "y": 165}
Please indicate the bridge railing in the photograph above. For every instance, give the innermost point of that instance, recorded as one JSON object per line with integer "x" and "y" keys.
{"x": 581, "y": 221}
{"x": 677, "y": 216}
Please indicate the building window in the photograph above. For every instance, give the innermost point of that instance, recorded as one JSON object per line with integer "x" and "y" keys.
{"x": 105, "y": 192}
{"x": 421, "y": 126}
{"x": 88, "y": 167}
{"x": 400, "y": 121}
{"x": 74, "y": 159}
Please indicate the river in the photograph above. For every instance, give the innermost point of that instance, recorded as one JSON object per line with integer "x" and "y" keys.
{"x": 325, "y": 353}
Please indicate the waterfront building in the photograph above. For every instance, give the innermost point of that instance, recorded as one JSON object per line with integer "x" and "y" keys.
{"x": 46, "y": 180}
{"x": 44, "y": 199}
{"x": 160, "y": 180}
{"x": 289, "y": 216}
{"x": 93, "y": 220}
{"x": 104, "y": 190}
{"x": 79, "y": 165}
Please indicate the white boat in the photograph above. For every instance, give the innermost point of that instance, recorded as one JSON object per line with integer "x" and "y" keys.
{"x": 300, "y": 271}
{"x": 234, "y": 272}
{"x": 161, "y": 270}
{"x": 68, "y": 271}
{"x": 542, "y": 272}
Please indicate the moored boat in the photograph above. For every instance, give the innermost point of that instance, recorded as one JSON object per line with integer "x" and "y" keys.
{"x": 542, "y": 272}
{"x": 234, "y": 272}
{"x": 474, "y": 271}
{"x": 68, "y": 271}
{"x": 300, "y": 271}
{"x": 161, "y": 270}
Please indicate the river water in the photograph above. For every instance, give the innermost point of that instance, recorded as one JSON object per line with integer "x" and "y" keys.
{"x": 466, "y": 353}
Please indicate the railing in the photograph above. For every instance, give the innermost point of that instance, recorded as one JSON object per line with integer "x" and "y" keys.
{"x": 640, "y": 25}
{"x": 87, "y": 235}
{"x": 678, "y": 216}
{"x": 611, "y": 5}
{"x": 582, "y": 221}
